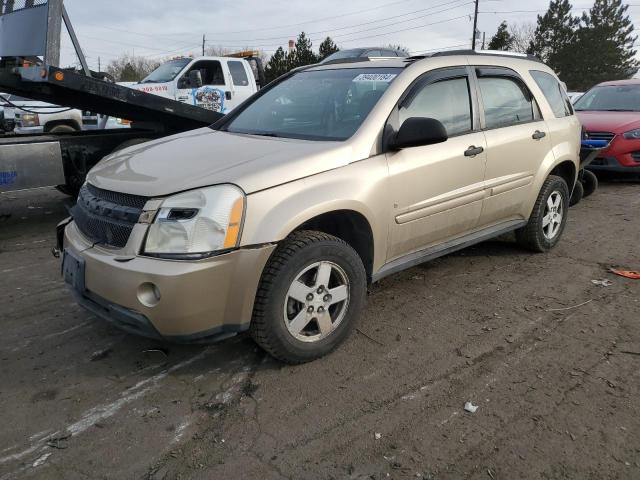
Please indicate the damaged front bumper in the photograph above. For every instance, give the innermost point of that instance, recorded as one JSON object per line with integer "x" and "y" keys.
{"x": 180, "y": 301}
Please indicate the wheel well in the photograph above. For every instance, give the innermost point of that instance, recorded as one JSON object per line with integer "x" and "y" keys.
{"x": 350, "y": 226}
{"x": 54, "y": 123}
{"x": 567, "y": 171}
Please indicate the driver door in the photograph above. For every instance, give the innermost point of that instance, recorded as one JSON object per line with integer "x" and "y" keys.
{"x": 212, "y": 94}
{"x": 437, "y": 190}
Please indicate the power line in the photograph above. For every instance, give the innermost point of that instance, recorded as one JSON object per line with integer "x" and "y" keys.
{"x": 430, "y": 9}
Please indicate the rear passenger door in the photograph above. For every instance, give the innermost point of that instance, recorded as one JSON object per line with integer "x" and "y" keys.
{"x": 436, "y": 190}
{"x": 242, "y": 83}
{"x": 517, "y": 143}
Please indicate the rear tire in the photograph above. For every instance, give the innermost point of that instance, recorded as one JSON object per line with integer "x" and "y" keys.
{"x": 309, "y": 298}
{"x": 549, "y": 217}
{"x": 577, "y": 194}
{"x": 589, "y": 183}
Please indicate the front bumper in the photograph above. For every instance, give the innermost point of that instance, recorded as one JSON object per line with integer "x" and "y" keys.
{"x": 197, "y": 300}
{"x": 611, "y": 164}
{"x": 621, "y": 155}
{"x": 28, "y": 130}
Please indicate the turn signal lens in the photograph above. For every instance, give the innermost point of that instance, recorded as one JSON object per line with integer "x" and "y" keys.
{"x": 235, "y": 222}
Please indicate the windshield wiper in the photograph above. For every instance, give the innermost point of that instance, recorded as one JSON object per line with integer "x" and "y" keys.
{"x": 266, "y": 134}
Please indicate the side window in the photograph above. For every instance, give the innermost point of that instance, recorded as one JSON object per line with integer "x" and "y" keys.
{"x": 373, "y": 53}
{"x": 211, "y": 72}
{"x": 554, "y": 93}
{"x": 445, "y": 100}
{"x": 238, "y": 73}
{"x": 506, "y": 102}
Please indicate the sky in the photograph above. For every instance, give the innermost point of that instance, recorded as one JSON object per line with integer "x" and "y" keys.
{"x": 158, "y": 29}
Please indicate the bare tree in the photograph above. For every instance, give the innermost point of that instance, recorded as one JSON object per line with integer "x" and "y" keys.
{"x": 131, "y": 68}
{"x": 522, "y": 34}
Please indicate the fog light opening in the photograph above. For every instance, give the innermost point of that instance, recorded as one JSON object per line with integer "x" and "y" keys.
{"x": 149, "y": 294}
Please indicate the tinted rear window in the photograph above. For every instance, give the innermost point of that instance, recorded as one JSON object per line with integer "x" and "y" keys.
{"x": 554, "y": 93}
{"x": 505, "y": 102}
{"x": 238, "y": 74}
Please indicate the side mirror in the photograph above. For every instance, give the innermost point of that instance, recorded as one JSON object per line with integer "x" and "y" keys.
{"x": 195, "y": 78}
{"x": 419, "y": 131}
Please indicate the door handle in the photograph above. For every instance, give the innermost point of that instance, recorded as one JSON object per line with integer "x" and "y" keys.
{"x": 472, "y": 151}
{"x": 538, "y": 135}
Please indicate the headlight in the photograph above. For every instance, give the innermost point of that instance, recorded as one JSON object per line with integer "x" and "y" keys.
{"x": 632, "y": 134}
{"x": 30, "y": 120}
{"x": 197, "y": 223}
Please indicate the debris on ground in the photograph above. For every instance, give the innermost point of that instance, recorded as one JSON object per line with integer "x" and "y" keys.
{"x": 58, "y": 442}
{"x": 602, "y": 283}
{"x": 470, "y": 407}
{"x": 570, "y": 308}
{"x": 632, "y": 274}
{"x": 377, "y": 435}
{"x": 101, "y": 354}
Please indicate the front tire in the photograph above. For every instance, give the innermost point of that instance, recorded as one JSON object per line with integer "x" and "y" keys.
{"x": 549, "y": 217}
{"x": 310, "y": 296}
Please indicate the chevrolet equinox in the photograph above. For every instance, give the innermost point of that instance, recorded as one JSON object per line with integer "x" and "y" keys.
{"x": 275, "y": 219}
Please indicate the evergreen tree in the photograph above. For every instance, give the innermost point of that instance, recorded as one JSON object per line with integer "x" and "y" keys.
{"x": 604, "y": 46}
{"x": 302, "y": 54}
{"x": 555, "y": 35}
{"x": 502, "y": 40}
{"x": 129, "y": 74}
{"x": 327, "y": 47}
{"x": 277, "y": 65}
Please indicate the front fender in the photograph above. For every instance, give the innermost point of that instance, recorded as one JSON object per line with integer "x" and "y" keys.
{"x": 360, "y": 187}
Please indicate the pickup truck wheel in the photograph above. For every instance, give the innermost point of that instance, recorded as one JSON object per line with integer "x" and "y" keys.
{"x": 549, "y": 217}
{"x": 62, "y": 129}
{"x": 309, "y": 298}
{"x": 589, "y": 183}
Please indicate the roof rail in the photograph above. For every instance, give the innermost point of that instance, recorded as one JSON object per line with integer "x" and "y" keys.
{"x": 496, "y": 53}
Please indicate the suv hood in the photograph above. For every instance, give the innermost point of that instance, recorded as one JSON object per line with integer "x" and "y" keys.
{"x": 614, "y": 122}
{"x": 207, "y": 157}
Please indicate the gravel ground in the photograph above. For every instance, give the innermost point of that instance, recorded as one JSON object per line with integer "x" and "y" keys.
{"x": 551, "y": 359}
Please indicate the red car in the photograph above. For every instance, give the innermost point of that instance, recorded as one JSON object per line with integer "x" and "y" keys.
{"x": 611, "y": 111}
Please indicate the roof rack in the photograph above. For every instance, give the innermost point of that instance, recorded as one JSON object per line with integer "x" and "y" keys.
{"x": 495, "y": 53}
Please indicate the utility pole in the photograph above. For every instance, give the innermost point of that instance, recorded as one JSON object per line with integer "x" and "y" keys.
{"x": 475, "y": 27}
{"x": 99, "y": 66}
{"x": 203, "y": 41}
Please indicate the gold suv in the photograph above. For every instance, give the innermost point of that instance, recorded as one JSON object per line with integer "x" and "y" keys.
{"x": 275, "y": 219}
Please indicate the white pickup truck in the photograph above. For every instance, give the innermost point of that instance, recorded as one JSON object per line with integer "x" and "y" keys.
{"x": 33, "y": 117}
{"x": 215, "y": 83}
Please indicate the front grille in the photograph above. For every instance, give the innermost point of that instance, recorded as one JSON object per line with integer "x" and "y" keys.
{"x": 107, "y": 217}
{"x": 608, "y": 136}
{"x": 124, "y": 199}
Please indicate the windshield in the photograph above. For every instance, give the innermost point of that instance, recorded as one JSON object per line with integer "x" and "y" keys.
{"x": 167, "y": 71}
{"x": 612, "y": 98}
{"x": 16, "y": 98}
{"x": 315, "y": 105}
{"x": 340, "y": 54}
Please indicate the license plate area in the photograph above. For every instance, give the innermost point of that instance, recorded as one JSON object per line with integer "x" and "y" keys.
{"x": 73, "y": 271}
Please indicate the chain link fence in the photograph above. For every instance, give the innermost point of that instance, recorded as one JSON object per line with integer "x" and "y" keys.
{"x": 10, "y": 6}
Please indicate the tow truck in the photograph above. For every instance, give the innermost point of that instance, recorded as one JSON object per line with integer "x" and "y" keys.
{"x": 30, "y": 32}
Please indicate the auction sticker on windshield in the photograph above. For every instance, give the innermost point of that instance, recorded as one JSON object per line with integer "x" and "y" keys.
{"x": 375, "y": 77}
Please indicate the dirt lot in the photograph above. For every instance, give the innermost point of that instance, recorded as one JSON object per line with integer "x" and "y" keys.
{"x": 557, "y": 387}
